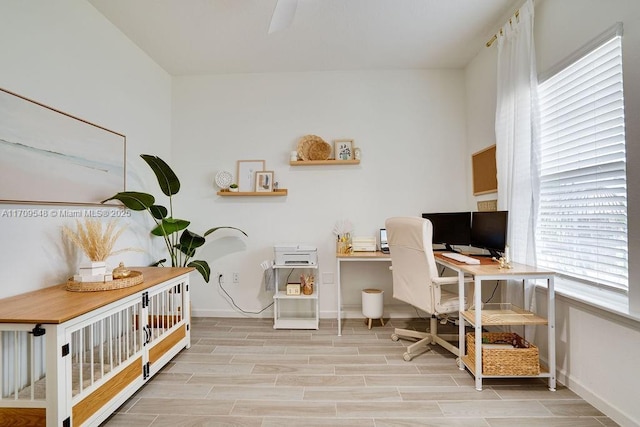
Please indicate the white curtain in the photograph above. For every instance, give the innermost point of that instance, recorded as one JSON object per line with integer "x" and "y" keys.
{"x": 517, "y": 130}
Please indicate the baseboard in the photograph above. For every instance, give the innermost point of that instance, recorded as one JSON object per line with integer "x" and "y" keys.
{"x": 401, "y": 311}
{"x": 593, "y": 399}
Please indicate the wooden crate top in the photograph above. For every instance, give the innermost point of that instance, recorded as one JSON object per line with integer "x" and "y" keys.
{"x": 54, "y": 305}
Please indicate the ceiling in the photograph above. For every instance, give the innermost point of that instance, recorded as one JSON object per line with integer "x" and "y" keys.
{"x": 189, "y": 37}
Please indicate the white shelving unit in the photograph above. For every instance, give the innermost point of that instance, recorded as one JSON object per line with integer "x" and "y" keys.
{"x": 295, "y": 311}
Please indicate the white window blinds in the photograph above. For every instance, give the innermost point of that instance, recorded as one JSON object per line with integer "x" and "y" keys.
{"x": 582, "y": 218}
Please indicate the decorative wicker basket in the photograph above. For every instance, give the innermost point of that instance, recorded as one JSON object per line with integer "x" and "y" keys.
{"x": 522, "y": 359}
{"x": 319, "y": 150}
{"x": 134, "y": 279}
{"x": 305, "y": 144}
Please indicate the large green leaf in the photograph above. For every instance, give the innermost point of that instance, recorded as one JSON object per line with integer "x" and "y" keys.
{"x": 158, "y": 211}
{"x": 169, "y": 226}
{"x": 191, "y": 239}
{"x": 211, "y": 230}
{"x": 189, "y": 242}
{"x": 167, "y": 179}
{"x": 186, "y": 249}
{"x": 134, "y": 200}
{"x": 202, "y": 267}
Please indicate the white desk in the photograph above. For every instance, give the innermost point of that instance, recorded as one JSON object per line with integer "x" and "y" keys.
{"x": 354, "y": 257}
{"x": 489, "y": 270}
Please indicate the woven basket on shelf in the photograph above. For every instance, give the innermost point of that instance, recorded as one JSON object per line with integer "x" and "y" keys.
{"x": 305, "y": 144}
{"x": 522, "y": 359}
{"x": 134, "y": 279}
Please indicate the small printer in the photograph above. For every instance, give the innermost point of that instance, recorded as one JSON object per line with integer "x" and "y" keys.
{"x": 295, "y": 254}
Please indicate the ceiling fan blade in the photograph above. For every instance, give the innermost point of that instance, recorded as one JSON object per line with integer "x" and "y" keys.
{"x": 283, "y": 15}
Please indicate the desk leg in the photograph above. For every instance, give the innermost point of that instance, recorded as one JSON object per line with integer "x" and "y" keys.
{"x": 339, "y": 297}
{"x": 551, "y": 332}
{"x": 477, "y": 296}
{"x": 461, "y": 328}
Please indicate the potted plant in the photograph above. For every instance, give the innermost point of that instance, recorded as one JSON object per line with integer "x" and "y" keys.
{"x": 234, "y": 188}
{"x": 181, "y": 243}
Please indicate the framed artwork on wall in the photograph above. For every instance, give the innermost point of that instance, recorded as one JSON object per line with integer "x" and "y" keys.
{"x": 264, "y": 181}
{"x": 51, "y": 157}
{"x": 343, "y": 149}
{"x": 247, "y": 173}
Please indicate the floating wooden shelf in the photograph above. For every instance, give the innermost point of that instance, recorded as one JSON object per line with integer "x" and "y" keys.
{"x": 281, "y": 192}
{"x": 323, "y": 162}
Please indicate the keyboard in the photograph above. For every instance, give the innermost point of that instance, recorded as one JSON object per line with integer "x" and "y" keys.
{"x": 460, "y": 258}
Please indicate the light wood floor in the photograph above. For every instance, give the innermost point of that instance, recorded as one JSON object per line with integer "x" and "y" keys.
{"x": 242, "y": 372}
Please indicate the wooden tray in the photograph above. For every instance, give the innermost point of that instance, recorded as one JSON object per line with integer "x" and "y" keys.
{"x": 134, "y": 279}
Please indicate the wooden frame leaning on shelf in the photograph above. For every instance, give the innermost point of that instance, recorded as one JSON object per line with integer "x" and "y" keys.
{"x": 264, "y": 181}
{"x": 246, "y": 174}
{"x": 343, "y": 149}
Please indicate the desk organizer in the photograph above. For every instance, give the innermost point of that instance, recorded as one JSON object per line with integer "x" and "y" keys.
{"x": 522, "y": 359}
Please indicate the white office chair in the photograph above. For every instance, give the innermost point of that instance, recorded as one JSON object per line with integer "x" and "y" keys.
{"x": 416, "y": 281}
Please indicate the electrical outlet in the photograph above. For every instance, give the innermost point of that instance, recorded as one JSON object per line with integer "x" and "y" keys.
{"x": 236, "y": 277}
{"x": 219, "y": 277}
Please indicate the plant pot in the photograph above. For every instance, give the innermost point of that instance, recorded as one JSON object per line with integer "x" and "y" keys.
{"x": 233, "y": 190}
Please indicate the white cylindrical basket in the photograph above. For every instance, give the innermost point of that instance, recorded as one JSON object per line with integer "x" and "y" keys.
{"x": 372, "y": 305}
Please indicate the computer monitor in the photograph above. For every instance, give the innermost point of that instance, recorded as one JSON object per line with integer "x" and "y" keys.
{"x": 489, "y": 231}
{"x": 450, "y": 228}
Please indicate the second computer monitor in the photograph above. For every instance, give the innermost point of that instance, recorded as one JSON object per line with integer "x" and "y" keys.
{"x": 450, "y": 228}
{"x": 489, "y": 231}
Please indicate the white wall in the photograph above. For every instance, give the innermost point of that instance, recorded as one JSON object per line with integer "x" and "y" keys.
{"x": 66, "y": 55}
{"x": 595, "y": 349}
{"x": 410, "y": 126}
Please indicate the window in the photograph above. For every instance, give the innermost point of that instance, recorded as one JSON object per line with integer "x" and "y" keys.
{"x": 582, "y": 216}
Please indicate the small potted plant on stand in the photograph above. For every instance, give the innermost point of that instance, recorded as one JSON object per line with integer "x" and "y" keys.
{"x": 233, "y": 188}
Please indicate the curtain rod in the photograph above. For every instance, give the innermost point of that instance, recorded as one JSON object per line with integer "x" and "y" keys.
{"x": 495, "y": 36}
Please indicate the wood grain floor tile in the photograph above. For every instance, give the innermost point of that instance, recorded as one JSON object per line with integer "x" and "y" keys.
{"x": 235, "y": 392}
{"x": 240, "y": 372}
{"x": 320, "y": 380}
{"x": 207, "y": 421}
{"x": 177, "y": 406}
{"x": 490, "y": 408}
{"x": 545, "y": 422}
{"x": 389, "y": 409}
{"x": 317, "y": 422}
{"x": 284, "y": 409}
{"x": 354, "y": 394}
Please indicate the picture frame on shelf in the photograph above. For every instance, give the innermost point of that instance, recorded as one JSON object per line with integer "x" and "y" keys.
{"x": 246, "y": 174}
{"x": 264, "y": 181}
{"x": 343, "y": 149}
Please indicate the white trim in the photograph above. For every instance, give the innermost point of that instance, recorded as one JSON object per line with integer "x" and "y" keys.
{"x": 601, "y": 302}
{"x": 615, "y": 31}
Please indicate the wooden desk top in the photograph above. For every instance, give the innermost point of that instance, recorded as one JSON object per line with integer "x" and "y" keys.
{"x": 489, "y": 267}
{"x": 364, "y": 256}
{"x": 54, "y": 305}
